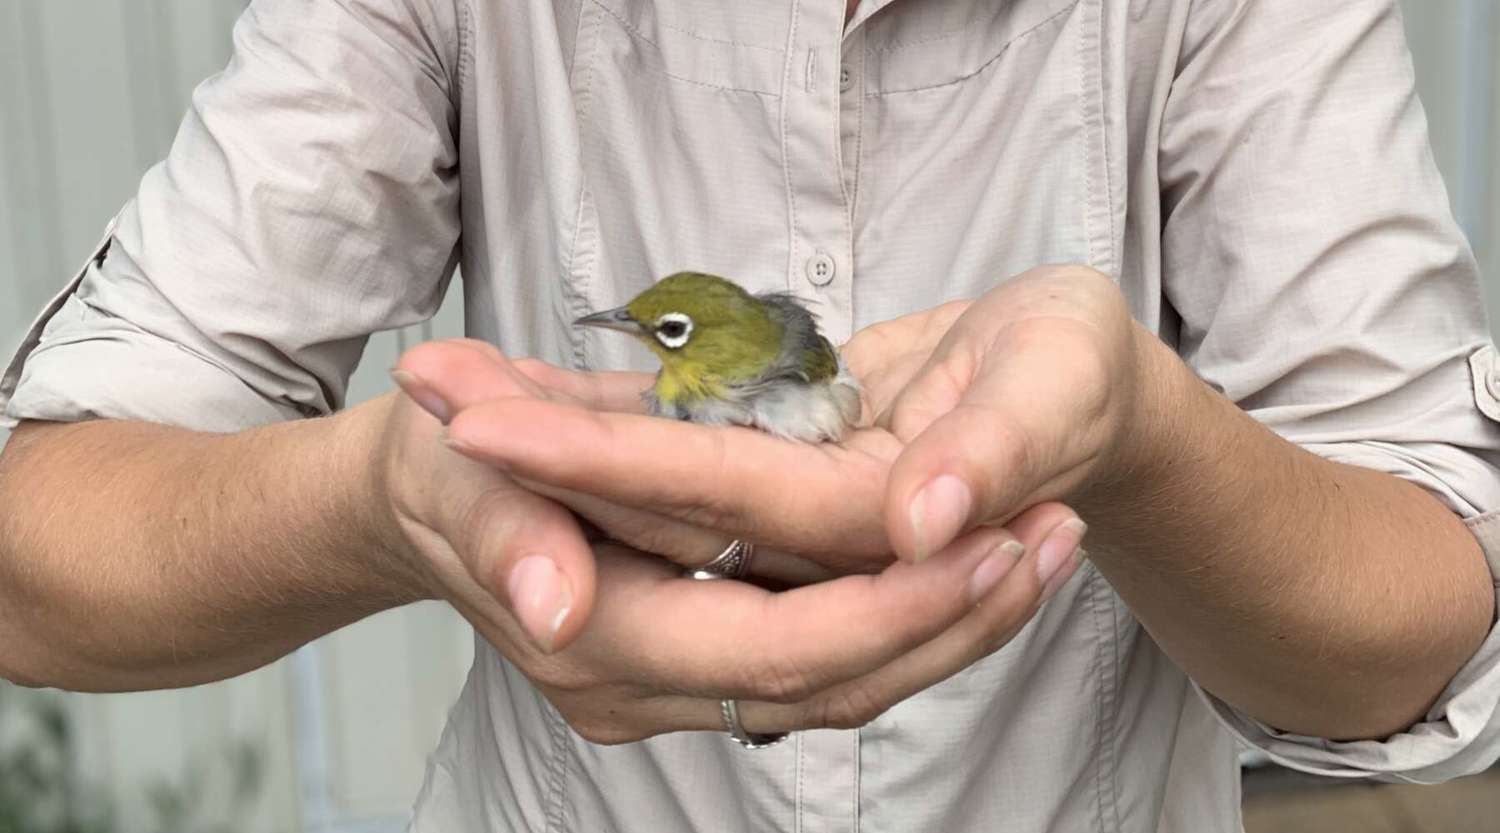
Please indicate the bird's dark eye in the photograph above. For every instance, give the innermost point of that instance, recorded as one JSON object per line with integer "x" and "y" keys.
{"x": 673, "y": 330}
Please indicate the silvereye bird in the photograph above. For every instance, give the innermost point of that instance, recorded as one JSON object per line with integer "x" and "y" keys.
{"x": 730, "y": 357}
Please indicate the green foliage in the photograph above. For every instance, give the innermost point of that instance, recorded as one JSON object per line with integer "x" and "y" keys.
{"x": 41, "y": 790}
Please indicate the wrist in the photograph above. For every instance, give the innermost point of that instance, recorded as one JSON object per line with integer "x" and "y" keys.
{"x": 361, "y": 446}
{"x": 1152, "y": 433}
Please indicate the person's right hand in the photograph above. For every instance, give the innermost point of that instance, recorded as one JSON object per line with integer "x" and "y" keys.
{"x": 625, "y": 648}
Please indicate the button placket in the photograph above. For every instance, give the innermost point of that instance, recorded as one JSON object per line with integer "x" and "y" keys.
{"x": 819, "y": 269}
{"x": 820, "y": 263}
{"x": 851, "y": 123}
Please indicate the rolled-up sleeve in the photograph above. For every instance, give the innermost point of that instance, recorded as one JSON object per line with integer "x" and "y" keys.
{"x": 309, "y": 199}
{"x": 1323, "y": 285}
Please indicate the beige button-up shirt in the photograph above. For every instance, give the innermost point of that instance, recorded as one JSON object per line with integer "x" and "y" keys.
{"x": 1255, "y": 175}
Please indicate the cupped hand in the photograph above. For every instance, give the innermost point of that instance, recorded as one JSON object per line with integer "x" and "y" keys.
{"x": 657, "y": 652}
{"x": 1008, "y": 402}
{"x": 1024, "y": 396}
{"x": 661, "y": 651}
{"x": 461, "y": 375}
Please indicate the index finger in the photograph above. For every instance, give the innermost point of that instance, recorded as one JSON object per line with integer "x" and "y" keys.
{"x": 464, "y": 372}
{"x": 811, "y": 499}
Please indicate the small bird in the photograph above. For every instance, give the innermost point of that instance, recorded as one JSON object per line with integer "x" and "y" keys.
{"x": 730, "y": 357}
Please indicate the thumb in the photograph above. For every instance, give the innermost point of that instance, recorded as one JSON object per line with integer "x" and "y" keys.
{"x": 967, "y": 468}
{"x": 984, "y": 440}
{"x": 527, "y": 553}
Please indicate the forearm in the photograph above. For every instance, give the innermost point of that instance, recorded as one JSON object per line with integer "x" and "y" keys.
{"x": 1321, "y": 598}
{"x": 140, "y": 556}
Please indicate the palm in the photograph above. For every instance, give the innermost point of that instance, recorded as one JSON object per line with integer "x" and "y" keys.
{"x": 1017, "y": 370}
{"x": 887, "y": 356}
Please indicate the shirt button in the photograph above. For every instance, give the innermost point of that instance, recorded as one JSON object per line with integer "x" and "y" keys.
{"x": 1492, "y": 382}
{"x": 846, "y": 79}
{"x": 820, "y": 269}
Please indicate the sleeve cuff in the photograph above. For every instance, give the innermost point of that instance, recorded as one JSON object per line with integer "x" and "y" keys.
{"x": 1460, "y": 735}
{"x": 76, "y": 363}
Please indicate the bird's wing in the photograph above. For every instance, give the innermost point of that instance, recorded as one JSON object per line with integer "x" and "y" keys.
{"x": 805, "y": 354}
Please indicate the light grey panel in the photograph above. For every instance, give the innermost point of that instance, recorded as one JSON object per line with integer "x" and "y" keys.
{"x": 1492, "y": 239}
{"x": 449, "y": 321}
{"x": 1453, "y": 45}
{"x": 372, "y": 377}
{"x": 1489, "y": 147}
{"x": 1436, "y": 39}
{"x": 32, "y": 214}
{"x": 92, "y": 117}
{"x": 202, "y": 43}
{"x": 391, "y": 679}
{"x": 15, "y": 219}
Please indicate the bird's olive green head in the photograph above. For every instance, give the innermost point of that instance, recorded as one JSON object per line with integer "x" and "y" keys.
{"x": 706, "y": 330}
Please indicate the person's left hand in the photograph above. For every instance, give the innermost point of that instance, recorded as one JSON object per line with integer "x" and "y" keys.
{"x": 974, "y": 413}
{"x": 1026, "y": 395}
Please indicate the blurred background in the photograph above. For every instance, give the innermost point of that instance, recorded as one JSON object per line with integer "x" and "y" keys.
{"x": 334, "y": 739}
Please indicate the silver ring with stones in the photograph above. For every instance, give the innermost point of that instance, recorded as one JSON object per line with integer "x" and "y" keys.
{"x": 733, "y": 562}
{"x": 749, "y": 740}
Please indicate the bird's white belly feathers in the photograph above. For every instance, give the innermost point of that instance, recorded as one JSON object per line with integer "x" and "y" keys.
{"x": 797, "y": 411}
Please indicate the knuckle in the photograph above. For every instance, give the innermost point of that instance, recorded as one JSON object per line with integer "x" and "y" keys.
{"x": 563, "y": 677}
{"x": 529, "y": 366}
{"x": 483, "y": 537}
{"x": 709, "y": 513}
{"x": 780, "y": 681}
{"x": 603, "y": 733}
{"x": 601, "y": 729}
{"x": 1021, "y": 451}
{"x": 853, "y": 707}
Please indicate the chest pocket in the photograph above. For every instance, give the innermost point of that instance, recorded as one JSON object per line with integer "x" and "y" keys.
{"x": 983, "y": 129}
{"x": 947, "y": 41}
{"x": 680, "y": 142}
{"x": 727, "y": 46}
{"x": 972, "y": 133}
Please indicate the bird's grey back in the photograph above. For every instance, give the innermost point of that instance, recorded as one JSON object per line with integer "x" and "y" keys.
{"x": 801, "y": 335}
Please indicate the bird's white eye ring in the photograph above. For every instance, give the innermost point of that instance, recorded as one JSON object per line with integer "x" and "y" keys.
{"x": 673, "y": 330}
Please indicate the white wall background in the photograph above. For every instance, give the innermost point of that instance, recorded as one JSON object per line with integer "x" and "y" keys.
{"x": 90, "y": 94}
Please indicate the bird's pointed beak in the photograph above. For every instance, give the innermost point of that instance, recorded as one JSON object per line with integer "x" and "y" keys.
{"x": 612, "y": 319}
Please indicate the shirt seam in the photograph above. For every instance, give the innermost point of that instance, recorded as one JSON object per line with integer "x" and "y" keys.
{"x": 797, "y": 795}
{"x": 577, "y": 288}
{"x": 688, "y": 32}
{"x": 855, "y": 808}
{"x": 847, "y": 215}
{"x": 1094, "y": 80}
{"x": 636, "y": 33}
{"x": 557, "y": 770}
{"x": 1100, "y": 604}
{"x": 1085, "y": 154}
{"x": 786, "y": 157}
{"x": 465, "y": 66}
{"x": 1004, "y": 48}
{"x": 859, "y": 144}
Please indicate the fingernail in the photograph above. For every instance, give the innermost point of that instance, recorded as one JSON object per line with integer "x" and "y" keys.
{"x": 994, "y": 568}
{"x": 541, "y": 597}
{"x": 1058, "y": 557}
{"x": 937, "y": 514}
{"x": 424, "y": 396}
